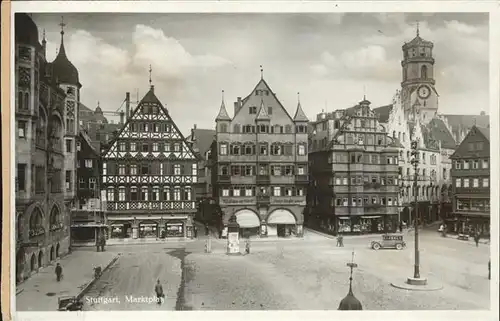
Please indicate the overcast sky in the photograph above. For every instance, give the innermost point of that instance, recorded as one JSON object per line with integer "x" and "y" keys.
{"x": 331, "y": 59}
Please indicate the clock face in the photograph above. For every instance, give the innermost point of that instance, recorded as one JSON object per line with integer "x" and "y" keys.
{"x": 424, "y": 92}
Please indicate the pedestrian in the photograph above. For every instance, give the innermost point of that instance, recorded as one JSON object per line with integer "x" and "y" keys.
{"x": 58, "y": 272}
{"x": 476, "y": 239}
{"x": 206, "y": 229}
{"x": 340, "y": 241}
{"x": 159, "y": 292}
{"x": 195, "y": 232}
{"x": 401, "y": 226}
{"x": 489, "y": 269}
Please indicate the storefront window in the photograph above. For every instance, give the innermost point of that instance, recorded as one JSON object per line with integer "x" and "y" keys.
{"x": 344, "y": 225}
{"x": 148, "y": 230}
{"x": 175, "y": 229}
{"x": 463, "y": 205}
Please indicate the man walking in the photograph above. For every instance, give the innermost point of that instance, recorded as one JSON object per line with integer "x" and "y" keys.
{"x": 476, "y": 239}
{"x": 159, "y": 292}
{"x": 401, "y": 226}
{"x": 340, "y": 241}
{"x": 58, "y": 272}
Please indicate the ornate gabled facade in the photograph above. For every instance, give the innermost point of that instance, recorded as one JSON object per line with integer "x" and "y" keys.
{"x": 148, "y": 176}
{"x": 260, "y": 165}
{"x": 471, "y": 184}
{"x": 353, "y": 173}
{"x": 45, "y": 151}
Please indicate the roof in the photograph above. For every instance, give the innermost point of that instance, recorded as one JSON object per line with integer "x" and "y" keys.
{"x": 350, "y": 302}
{"x": 467, "y": 121}
{"x": 203, "y": 139}
{"x": 223, "y": 115}
{"x": 383, "y": 113}
{"x": 299, "y": 114}
{"x": 475, "y": 136}
{"x": 62, "y": 69}
{"x": 26, "y": 31}
{"x": 418, "y": 41}
{"x": 438, "y": 131}
{"x": 484, "y": 131}
{"x": 396, "y": 143}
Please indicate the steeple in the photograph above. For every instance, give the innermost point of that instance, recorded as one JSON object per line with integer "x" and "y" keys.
{"x": 44, "y": 44}
{"x": 261, "y": 72}
{"x": 62, "y": 51}
{"x": 299, "y": 113}
{"x": 63, "y": 70}
{"x": 262, "y": 113}
{"x": 223, "y": 115}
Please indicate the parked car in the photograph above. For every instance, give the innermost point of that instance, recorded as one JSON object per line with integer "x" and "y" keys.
{"x": 393, "y": 241}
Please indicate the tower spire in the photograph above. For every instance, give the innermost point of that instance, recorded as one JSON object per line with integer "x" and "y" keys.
{"x": 261, "y": 72}
{"x": 150, "y": 81}
{"x": 351, "y": 265}
{"x": 418, "y": 29}
{"x": 298, "y": 97}
{"x": 62, "y": 24}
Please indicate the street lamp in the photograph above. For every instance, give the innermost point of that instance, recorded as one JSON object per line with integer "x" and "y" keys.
{"x": 415, "y": 161}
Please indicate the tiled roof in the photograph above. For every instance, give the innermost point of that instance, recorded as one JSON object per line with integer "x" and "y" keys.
{"x": 262, "y": 113}
{"x": 383, "y": 113}
{"x": 203, "y": 140}
{"x": 438, "y": 131}
{"x": 299, "y": 114}
{"x": 468, "y": 121}
{"x": 396, "y": 143}
{"x": 223, "y": 115}
{"x": 484, "y": 131}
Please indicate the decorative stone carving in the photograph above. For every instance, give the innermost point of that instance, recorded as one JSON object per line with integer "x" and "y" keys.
{"x": 70, "y": 108}
{"x": 24, "y": 77}
{"x": 24, "y": 54}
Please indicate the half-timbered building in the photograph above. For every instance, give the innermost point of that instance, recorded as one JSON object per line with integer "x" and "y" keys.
{"x": 148, "y": 176}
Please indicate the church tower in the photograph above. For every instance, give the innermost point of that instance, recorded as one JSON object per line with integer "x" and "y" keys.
{"x": 419, "y": 95}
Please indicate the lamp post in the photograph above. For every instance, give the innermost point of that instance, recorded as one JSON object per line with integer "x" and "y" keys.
{"x": 415, "y": 162}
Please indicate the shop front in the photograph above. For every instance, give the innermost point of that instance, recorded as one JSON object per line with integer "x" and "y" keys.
{"x": 175, "y": 228}
{"x": 248, "y": 222}
{"x": 121, "y": 230}
{"x": 367, "y": 224}
{"x": 281, "y": 223}
{"x": 148, "y": 230}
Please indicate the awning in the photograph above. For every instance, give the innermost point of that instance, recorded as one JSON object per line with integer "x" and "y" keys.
{"x": 247, "y": 219}
{"x": 174, "y": 224}
{"x": 88, "y": 225}
{"x": 368, "y": 217}
{"x": 344, "y": 218}
{"x": 148, "y": 224}
{"x": 281, "y": 216}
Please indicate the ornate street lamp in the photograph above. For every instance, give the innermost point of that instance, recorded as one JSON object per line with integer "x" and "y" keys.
{"x": 350, "y": 302}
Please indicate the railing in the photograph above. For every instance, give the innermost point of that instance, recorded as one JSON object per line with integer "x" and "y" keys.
{"x": 372, "y": 185}
{"x": 302, "y": 179}
{"x": 150, "y": 205}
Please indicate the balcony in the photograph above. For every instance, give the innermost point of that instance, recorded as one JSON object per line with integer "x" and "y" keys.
{"x": 56, "y": 227}
{"x": 167, "y": 206}
{"x": 224, "y": 179}
{"x": 263, "y": 200}
{"x": 301, "y": 179}
{"x": 263, "y": 180}
{"x": 247, "y": 200}
{"x": 369, "y": 185}
{"x": 288, "y": 200}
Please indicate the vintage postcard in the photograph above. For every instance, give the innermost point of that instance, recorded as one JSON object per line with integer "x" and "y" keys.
{"x": 290, "y": 158}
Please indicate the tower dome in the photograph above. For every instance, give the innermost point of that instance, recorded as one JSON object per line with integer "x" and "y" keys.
{"x": 63, "y": 70}
{"x": 26, "y": 31}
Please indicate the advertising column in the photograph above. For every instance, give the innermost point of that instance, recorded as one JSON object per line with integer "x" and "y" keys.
{"x": 233, "y": 242}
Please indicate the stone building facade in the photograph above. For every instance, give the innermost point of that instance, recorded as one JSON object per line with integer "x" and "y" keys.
{"x": 260, "y": 165}
{"x": 46, "y": 118}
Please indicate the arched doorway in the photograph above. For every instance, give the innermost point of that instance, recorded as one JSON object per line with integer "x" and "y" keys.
{"x": 248, "y": 221}
{"x": 40, "y": 259}
{"x": 52, "y": 253}
{"x": 20, "y": 260}
{"x": 36, "y": 223}
{"x": 57, "y": 250}
{"x": 281, "y": 222}
{"x": 33, "y": 262}
{"x": 55, "y": 219}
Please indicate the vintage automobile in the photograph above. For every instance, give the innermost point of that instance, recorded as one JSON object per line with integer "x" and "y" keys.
{"x": 394, "y": 241}
{"x": 69, "y": 303}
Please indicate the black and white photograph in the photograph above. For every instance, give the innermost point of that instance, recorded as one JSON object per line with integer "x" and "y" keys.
{"x": 270, "y": 161}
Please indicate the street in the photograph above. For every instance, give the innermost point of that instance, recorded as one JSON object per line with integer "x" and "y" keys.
{"x": 295, "y": 274}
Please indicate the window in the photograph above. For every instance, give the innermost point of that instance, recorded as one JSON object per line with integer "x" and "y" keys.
{"x": 122, "y": 147}
{"x": 248, "y": 192}
{"x": 288, "y": 129}
{"x": 270, "y": 110}
{"x": 133, "y": 169}
{"x": 21, "y": 177}
{"x": 249, "y": 149}
{"x": 92, "y": 183}
{"x": 249, "y": 170}
{"x": 263, "y": 150}
{"x": 458, "y": 182}
{"x": 68, "y": 146}
{"x": 156, "y": 128}
{"x": 389, "y": 201}
{"x": 177, "y": 147}
{"x": 374, "y": 200}
{"x": 224, "y": 170}
{"x": 187, "y": 193}
{"x": 300, "y": 191}
{"x": 166, "y": 193}
{"x": 155, "y": 196}
{"x": 88, "y": 163}
{"x": 121, "y": 169}
{"x": 276, "y": 170}
{"x": 177, "y": 169}
{"x": 276, "y": 191}
{"x": 144, "y": 169}
{"x": 225, "y": 192}
{"x": 111, "y": 194}
{"x": 444, "y": 173}
{"x": 475, "y": 182}
{"x": 466, "y": 182}
{"x": 458, "y": 165}
{"x": 121, "y": 193}
{"x": 144, "y": 193}
{"x": 223, "y": 149}
{"x": 345, "y": 202}
{"x": 466, "y": 164}
{"x": 81, "y": 183}
{"x": 21, "y": 127}
{"x": 486, "y": 182}
{"x": 252, "y": 110}
{"x": 194, "y": 169}
{"x": 475, "y": 164}
{"x": 485, "y": 163}
{"x": 133, "y": 147}
{"x": 155, "y": 147}
{"x": 344, "y": 181}
{"x": 236, "y": 192}
{"x": 145, "y": 148}
{"x": 302, "y": 150}
{"x": 423, "y": 72}
{"x": 177, "y": 193}
{"x": 78, "y": 146}
{"x": 301, "y": 170}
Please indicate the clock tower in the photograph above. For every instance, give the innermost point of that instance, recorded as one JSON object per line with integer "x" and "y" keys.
{"x": 419, "y": 95}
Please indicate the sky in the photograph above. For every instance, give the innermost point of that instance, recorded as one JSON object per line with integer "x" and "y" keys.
{"x": 332, "y": 59}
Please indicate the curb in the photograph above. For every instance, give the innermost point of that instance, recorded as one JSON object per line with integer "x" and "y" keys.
{"x": 134, "y": 243}
{"x": 94, "y": 280}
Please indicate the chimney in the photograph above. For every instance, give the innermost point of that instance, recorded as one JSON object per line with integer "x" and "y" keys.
{"x": 127, "y": 104}
{"x": 239, "y": 102}
{"x": 122, "y": 115}
{"x": 236, "y": 107}
{"x": 153, "y": 88}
